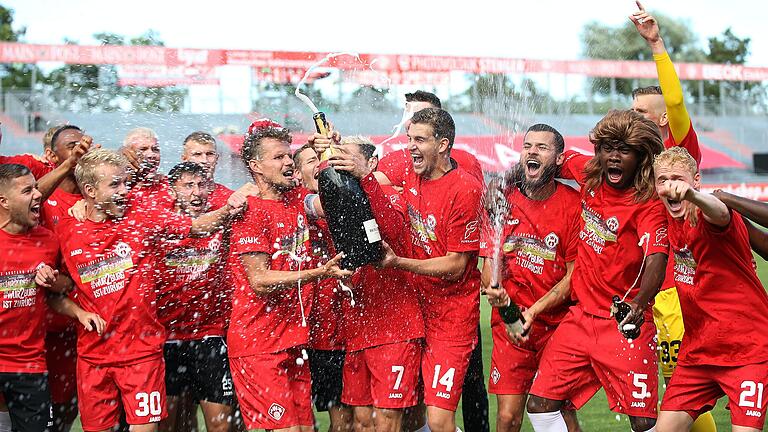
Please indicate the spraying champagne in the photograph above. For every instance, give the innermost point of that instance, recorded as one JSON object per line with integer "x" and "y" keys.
{"x": 348, "y": 211}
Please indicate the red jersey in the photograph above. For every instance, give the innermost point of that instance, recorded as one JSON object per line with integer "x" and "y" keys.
{"x": 37, "y": 166}
{"x": 114, "y": 266}
{"x": 725, "y": 307}
{"x": 154, "y": 195}
{"x": 270, "y": 323}
{"x": 397, "y": 164}
{"x": 22, "y": 324}
{"x": 218, "y": 196}
{"x": 690, "y": 143}
{"x": 387, "y": 306}
{"x": 324, "y": 333}
{"x": 443, "y": 217}
{"x": 54, "y": 209}
{"x": 537, "y": 239}
{"x": 612, "y": 224}
{"x": 190, "y": 291}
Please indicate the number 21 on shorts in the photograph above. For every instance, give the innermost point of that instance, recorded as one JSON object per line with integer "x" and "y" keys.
{"x": 446, "y": 379}
{"x": 751, "y": 395}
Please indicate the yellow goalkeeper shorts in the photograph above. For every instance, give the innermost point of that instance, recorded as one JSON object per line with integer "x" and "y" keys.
{"x": 669, "y": 324}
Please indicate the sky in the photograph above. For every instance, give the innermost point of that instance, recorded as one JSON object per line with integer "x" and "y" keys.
{"x": 536, "y": 29}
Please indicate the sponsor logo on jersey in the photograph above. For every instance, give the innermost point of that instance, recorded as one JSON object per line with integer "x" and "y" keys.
{"x": 52, "y": 203}
{"x": 685, "y": 266}
{"x": 414, "y": 191}
{"x": 75, "y": 252}
{"x": 469, "y": 229}
{"x": 596, "y": 231}
{"x": 276, "y": 411}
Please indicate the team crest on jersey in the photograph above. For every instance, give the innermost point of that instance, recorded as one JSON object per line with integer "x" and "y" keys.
{"x": 214, "y": 244}
{"x": 551, "y": 240}
{"x": 612, "y": 223}
{"x": 300, "y": 221}
{"x": 431, "y": 221}
{"x": 122, "y": 249}
{"x": 495, "y": 375}
{"x": 276, "y": 411}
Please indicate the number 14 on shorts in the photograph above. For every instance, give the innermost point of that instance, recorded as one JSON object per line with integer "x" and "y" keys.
{"x": 445, "y": 380}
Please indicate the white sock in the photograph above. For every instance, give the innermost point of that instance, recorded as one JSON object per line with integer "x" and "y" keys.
{"x": 424, "y": 428}
{"x": 5, "y": 421}
{"x": 548, "y": 422}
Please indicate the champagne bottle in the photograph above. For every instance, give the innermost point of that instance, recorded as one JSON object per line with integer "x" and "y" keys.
{"x": 620, "y": 311}
{"x": 350, "y": 219}
{"x": 512, "y": 317}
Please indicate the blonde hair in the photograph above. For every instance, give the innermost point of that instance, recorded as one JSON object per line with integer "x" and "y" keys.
{"x": 48, "y": 137}
{"x": 356, "y": 139}
{"x": 676, "y": 156}
{"x": 85, "y": 171}
{"x": 636, "y": 132}
{"x": 679, "y": 156}
{"x": 139, "y": 132}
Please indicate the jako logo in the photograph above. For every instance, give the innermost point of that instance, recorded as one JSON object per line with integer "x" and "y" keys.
{"x": 75, "y": 252}
{"x": 443, "y": 395}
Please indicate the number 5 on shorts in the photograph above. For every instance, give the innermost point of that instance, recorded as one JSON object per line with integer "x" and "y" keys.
{"x": 639, "y": 382}
{"x": 750, "y": 388}
{"x": 446, "y": 380}
{"x": 149, "y": 404}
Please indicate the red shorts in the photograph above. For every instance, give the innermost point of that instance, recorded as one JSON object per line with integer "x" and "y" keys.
{"x": 273, "y": 391}
{"x": 61, "y": 357}
{"x": 695, "y": 389}
{"x": 443, "y": 367}
{"x": 140, "y": 387}
{"x": 587, "y": 352}
{"x": 384, "y": 376}
{"x": 513, "y": 367}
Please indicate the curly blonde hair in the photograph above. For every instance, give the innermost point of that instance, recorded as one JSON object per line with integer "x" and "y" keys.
{"x": 632, "y": 129}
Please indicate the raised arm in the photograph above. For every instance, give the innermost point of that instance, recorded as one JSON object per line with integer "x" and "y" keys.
{"x": 263, "y": 280}
{"x": 756, "y": 211}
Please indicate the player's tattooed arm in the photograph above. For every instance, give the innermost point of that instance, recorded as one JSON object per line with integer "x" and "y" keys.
{"x": 62, "y": 304}
{"x": 264, "y": 280}
{"x": 450, "y": 267}
{"x": 556, "y": 296}
{"x": 653, "y": 277}
{"x": 756, "y": 211}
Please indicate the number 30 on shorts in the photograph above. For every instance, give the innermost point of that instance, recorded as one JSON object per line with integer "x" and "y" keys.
{"x": 149, "y": 404}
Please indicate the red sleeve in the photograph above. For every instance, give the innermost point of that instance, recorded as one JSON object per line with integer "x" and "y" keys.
{"x": 251, "y": 233}
{"x": 653, "y": 221}
{"x": 469, "y": 163}
{"x": 389, "y": 211}
{"x": 38, "y": 167}
{"x": 573, "y": 166}
{"x": 690, "y": 143}
{"x": 463, "y": 230}
{"x": 393, "y": 165}
{"x": 572, "y": 240}
{"x": 486, "y": 234}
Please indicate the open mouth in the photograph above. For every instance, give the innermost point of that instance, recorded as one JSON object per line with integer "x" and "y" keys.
{"x": 675, "y": 205}
{"x": 119, "y": 202}
{"x": 615, "y": 174}
{"x": 196, "y": 203}
{"x": 288, "y": 173}
{"x": 418, "y": 160}
{"x": 35, "y": 210}
{"x": 532, "y": 167}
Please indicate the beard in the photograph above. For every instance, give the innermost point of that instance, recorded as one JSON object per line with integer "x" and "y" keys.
{"x": 529, "y": 187}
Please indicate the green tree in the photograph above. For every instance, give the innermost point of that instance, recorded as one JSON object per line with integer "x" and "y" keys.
{"x": 95, "y": 87}
{"x": 14, "y": 75}
{"x": 600, "y": 41}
